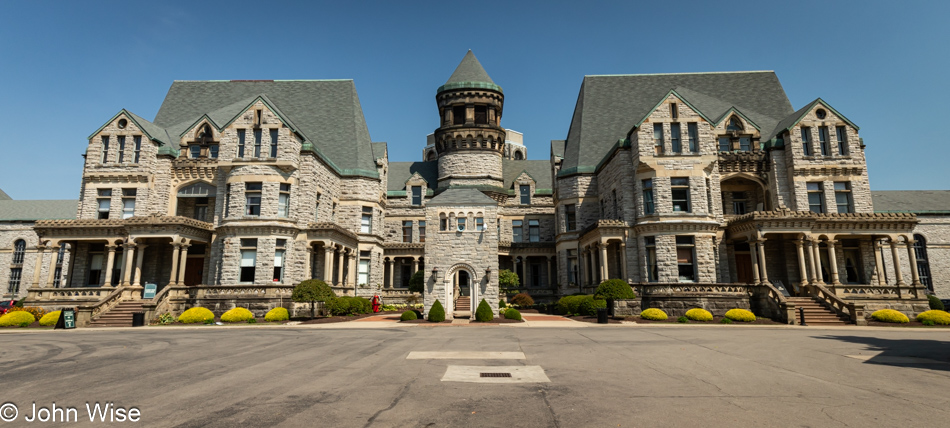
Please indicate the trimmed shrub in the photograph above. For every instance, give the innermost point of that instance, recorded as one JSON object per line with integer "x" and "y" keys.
{"x": 935, "y": 303}
{"x": 408, "y": 316}
{"x": 417, "y": 282}
{"x": 237, "y": 315}
{"x": 312, "y": 291}
{"x": 682, "y": 320}
{"x": 616, "y": 289}
{"x": 699, "y": 314}
{"x": 50, "y": 319}
{"x": 653, "y": 314}
{"x": 19, "y": 318}
{"x": 252, "y": 321}
{"x": 277, "y": 314}
{"x": 567, "y": 305}
{"x": 522, "y": 300}
{"x": 196, "y": 315}
{"x": 588, "y": 305}
{"x": 502, "y": 304}
{"x": 740, "y": 315}
{"x": 483, "y": 313}
{"x": 348, "y": 305}
{"x": 36, "y": 311}
{"x": 436, "y": 312}
{"x": 513, "y": 314}
{"x": 938, "y": 317}
{"x": 890, "y": 315}
{"x": 726, "y": 321}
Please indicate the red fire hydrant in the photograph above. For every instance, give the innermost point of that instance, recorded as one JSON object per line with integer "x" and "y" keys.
{"x": 377, "y": 302}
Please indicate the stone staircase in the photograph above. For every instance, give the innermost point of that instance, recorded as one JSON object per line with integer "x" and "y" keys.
{"x": 119, "y": 316}
{"x": 816, "y": 313}
{"x": 463, "y": 307}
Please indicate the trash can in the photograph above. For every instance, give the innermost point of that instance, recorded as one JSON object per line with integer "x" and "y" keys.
{"x": 610, "y": 307}
{"x": 601, "y": 315}
{"x": 138, "y": 319}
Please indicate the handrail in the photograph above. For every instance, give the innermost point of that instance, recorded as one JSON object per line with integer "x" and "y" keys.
{"x": 781, "y": 305}
{"x": 853, "y": 310}
{"x": 88, "y": 313}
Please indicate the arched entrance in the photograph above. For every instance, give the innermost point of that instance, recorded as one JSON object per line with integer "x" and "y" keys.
{"x": 461, "y": 288}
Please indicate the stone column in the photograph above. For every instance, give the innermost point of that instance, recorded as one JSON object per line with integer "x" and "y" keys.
{"x": 912, "y": 257}
{"x": 623, "y": 261}
{"x": 753, "y": 252}
{"x": 878, "y": 261}
{"x": 127, "y": 255}
{"x": 833, "y": 262}
{"x": 353, "y": 279}
{"x": 38, "y": 265}
{"x": 339, "y": 266}
{"x": 415, "y": 265}
{"x": 110, "y": 261}
{"x": 139, "y": 256}
{"x": 897, "y": 264}
{"x": 328, "y": 264}
{"x": 183, "y": 262}
{"x": 391, "y": 265}
{"x": 173, "y": 276}
{"x": 816, "y": 247}
{"x": 802, "y": 270}
{"x": 812, "y": 278}
{"x": 515, "y": 263}
{"x": 308, "y": 265}
{"x": 604, "y": 266}
{"x": 51, "y": 275}
{"x": 760, "y": 245}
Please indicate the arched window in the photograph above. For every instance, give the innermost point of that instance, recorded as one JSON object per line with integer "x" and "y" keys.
{"x": 19, "y": 250}
{"x": 923, "y": 265}
{"x": 518, "y": 155}
{"x": 734, "y": 124}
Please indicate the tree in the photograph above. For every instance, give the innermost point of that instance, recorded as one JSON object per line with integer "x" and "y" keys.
{"x": 312, "y": 291}
{"x": 484, "y": 312}
{"x": 436, "y": 312}
{"x": 614, "y": 289}
{"x": 508, "y": 280}
{"x": 417, "y": 282}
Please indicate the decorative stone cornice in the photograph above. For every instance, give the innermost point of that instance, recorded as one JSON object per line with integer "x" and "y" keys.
{"x": 116, "y": 177}
{"x": 112, "y": 228}
{"x": 194, "y": 169}
{"x": 677, "y": 226}
{"x": 750, "y": 162}
{"x": 786, "y": 219}
{"x": 821, "y": 171}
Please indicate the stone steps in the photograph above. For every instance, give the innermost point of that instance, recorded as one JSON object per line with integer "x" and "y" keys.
{"x": 816, "y": 313}
{"x": 119, "y": 316}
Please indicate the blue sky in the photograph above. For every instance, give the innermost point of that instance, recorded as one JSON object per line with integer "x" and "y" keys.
{"x": 67, "y": 67}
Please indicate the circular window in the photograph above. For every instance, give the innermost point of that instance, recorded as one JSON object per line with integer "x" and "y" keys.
{"x": 821, "y": 113}
{"x": 122, "y": 123}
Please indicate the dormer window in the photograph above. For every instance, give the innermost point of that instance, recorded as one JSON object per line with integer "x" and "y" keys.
{"x": 481, "y": 115}
{"x": 735, "y": 141}
{"x": 204, "y": 145}
{"x": 734, "y": 124}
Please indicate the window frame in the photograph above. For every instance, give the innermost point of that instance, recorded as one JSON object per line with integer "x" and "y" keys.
{"x": 649, "y": 197}
{"x": 258, "y": 136}
{"x": 273, "y": 142}
{"x": 128, "y": 196}
{"x": 534, "y": 230}
{"x": 19, "y": 252}
{"x": 517, "y": 230}
{"x": 253, "y": 189}
{"x": 677, "y": 186}
{"x": 570, "y": 217}
{"x": 823, "y": 142}
{"x": 806, "y": 140}
{"x": 923, "y": 261}
{"x": 280, "y": 258}
{"x": 103, "y": 196}
{"x": 653, "y": 273}
{"x": 692, "y": 132}
{"x": 137, "y": 141}
{"x": 676, "y": 138}
{"x": 841, "y": 134}
{"x": 524, "y": 190}
{"x": 422, "y": 231}
{"x": 283, "y": 200}
{"x": 683, "y": 246}
{"x": 407, "y": 231}
{"x": 818, "y": 191}
{"x": 416, "y": 196}
{"x": 845, "y": 190}
{"x": 658, "y": 139}
{"x": 120, "y": 139}
{"x": 248, "y": 246}
{"x": 242, "y": 140}
{"x": 366, "y": 220}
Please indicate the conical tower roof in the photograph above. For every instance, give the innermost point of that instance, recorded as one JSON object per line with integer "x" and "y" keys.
{"x": 471, "y": 75}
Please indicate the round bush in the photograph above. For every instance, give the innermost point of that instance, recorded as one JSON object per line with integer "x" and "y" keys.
{"x": 935, "y": 303}
{"x": 653, "y": 314}
{"x": 588, "y": 305}
{"x": 237, "y": 315}
{"x": 20, "y": 318}
{"x": 682, "y": 320}
{"x": 938, "y": 317}
{"x": 890, "y": 315}
{"x": 740, "y": 315}
{"x": 567, "y": 305}
{"x": 699, "y": 314}
{"x": 522, "y": 299}
{"x": 196, "y": 315}
{"x": 726, "y": 321}
{"x": 417, "y": 282}
{"x": 408, "y": 316}
{"x": 312, "y": 291}
{"x": 50, "y": 319}
{"x": 484, "y": 313}
{"x": 513, "y": 314}
{"x": 616, "y": 289}
{"x": 437, "y": 312}
{"x": 277, "y": 314}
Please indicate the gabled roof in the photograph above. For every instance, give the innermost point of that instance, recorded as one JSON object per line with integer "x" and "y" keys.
{"x": 380, "y": 150}
{"x": 26, "y": 210}
{"x": 791, "y": 120}
{"x": 911, "y": 201}
{"x": 469, "y": 74}
{"x": 461, "y": 196}
{"x": 539, "y": 170}
{"x": 608, "y": 107}
{"x": 557, "y": 148}
{"x": 151, "y": 130}
{"x": 400, "y": 172}
{"x": 4, "y": 196}
{"x": 326, "y": 113}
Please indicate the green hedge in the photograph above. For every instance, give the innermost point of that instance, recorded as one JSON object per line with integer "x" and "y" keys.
{"x": 580, "y": 304}
{"x": 348, "y": 305}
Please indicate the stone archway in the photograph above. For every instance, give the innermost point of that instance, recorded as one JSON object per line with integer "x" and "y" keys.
{"x": 455, "y": 291}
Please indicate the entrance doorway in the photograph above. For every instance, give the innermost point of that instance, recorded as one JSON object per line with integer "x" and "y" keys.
{"x": 465, "y": 288}
{"x": 743, "y": 263}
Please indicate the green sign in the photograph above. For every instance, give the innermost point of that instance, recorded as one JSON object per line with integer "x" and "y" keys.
{"x": 67, "y": 319}
{"x": 149, "y": 292}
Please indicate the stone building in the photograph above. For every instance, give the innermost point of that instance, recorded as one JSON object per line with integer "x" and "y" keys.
{"x": 701, "y": 189}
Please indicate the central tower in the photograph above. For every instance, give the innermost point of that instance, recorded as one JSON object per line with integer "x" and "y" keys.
{"x": 470, "y": 140}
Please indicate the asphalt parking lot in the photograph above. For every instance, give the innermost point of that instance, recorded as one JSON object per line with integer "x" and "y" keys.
{"x": 603, "y": 376}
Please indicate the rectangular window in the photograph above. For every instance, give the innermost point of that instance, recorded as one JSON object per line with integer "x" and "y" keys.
{"x": 460, "y": 224}
{"x": 316, "y": 208}
{"x": 58, "y": 273}
{"x": 241, "y": 139}
{"x": 534, "y": 230}
{"x": 570, "y": 214}
{"x": 481, "y": 115}
{"x": 257, "y": 143}
{"x": 248, "y": 259}
{"x": 739, "y": 203}
{"x": 105, "y": 149}
{"x": 725, "y": 145}
{"x": 252, "y": 199}
{"x": 806, "y": 140}
{"x": 686, "y": 258}
{"x": 680, "y": 190}
{"x": 283, "y": 201}
{"x": 417, "y": 195}
{"x": 658, "y": 138}
{"x": 648, "y": 206}
{"x": 572, "y": 266}
{"x": 15, "y": 275}
{"x": 213, "y": 151}
{"x": 693, "y": 131}
{"x": 121, "y": 140}
{"x": 652, "y": 273}
{"x": 104, "y": 201}
{"x": 816, "y": 197}
{"x": 525, "y": 192}
{"x": 823, "y": 140}
{"x": 363, "y": 272}
{"x": 479, "y": 224}
{"x": 273, "y": 143}
{"x": 516, "y": 231}
{"x": 227, "y": 201}
{"x": 201, "y": 209}
{"x": 407, "y": 231}
{"x": 745, "y": 144}
{"x": 195, "y": 151}
{"x": 366, "y": 221}
{"x": 137, "y": 140}
{"x": 842, "y": 134}
{"x": 279, "y": 252}
{"x": 843, "y": 197}
{"x": 96, "y": 259}
{"x": 458, "y": 115}
{"x": 422, "y": 231}
{"x": 128, "y": 203}
{"x": 443, "y": 224}
{"x": 674, "y": 112}
{"x": 675, "y": 138}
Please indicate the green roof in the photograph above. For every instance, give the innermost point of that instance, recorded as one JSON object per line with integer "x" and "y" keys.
{"x": 470, "y": 74}
{"x": 27, "y": 210}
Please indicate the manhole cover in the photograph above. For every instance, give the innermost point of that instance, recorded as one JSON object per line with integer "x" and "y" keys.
{"x": 494, "y": 374}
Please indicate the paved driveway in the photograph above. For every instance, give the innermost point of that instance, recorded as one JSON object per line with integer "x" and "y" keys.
{"x": 598, "y": 376}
